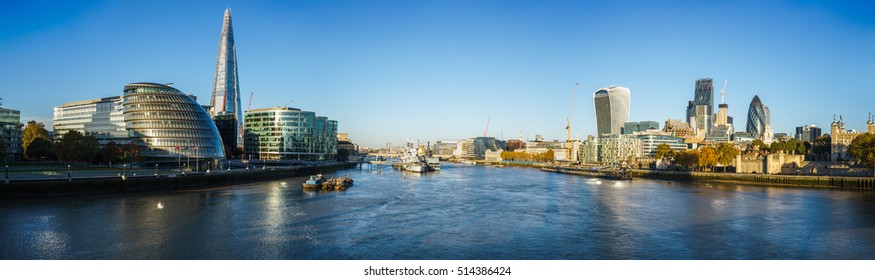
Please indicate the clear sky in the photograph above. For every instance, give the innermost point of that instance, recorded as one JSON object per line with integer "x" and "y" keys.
{"x": 435, "y": 70}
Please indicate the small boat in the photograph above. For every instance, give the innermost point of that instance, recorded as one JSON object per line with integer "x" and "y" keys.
{"x": 314, "y": 182}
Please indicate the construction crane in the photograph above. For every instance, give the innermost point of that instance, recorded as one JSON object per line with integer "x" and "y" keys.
{"x": 568, "y": 121}
{"x": 249, "y": 107}
{"x": 287, "y": 103}
{"x": 723, "y": 92}
{"x": 487, "y": 124}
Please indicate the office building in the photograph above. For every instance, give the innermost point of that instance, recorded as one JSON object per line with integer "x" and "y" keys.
{"x": 225, "y": 102}
{"x": 611, "y": 109}
{"x": 10, "y": 132}
{"x": 701, "y": 109}
{"x": 616, "y": 148}
{"x": 650, "y": 143}
{"x": 482, "y": 144}
{"x": 633, "y": 127}
{"x": 589, "y": 150}
{"x": 289, "y": 134}
{"x": 168, "y": 125}
{"x": 757, "y": 119}
{"x": 101, "y": 118}
{"x": 807, "y": 133}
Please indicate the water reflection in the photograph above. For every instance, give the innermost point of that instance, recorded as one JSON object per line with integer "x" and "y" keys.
{"x": 461, "y": 212}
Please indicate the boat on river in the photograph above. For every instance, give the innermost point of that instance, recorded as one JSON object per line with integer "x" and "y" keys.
{"x": 314, "y": 182}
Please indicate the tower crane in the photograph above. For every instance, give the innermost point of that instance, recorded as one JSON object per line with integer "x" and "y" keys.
{"x": 487, "y": 124}
{"x": 568, "y": 121}
{"x": 723, "y": 92}
{"x": 249, "y": 107}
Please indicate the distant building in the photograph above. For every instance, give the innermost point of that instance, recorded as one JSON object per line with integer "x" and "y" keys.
{"x": 514, "y": 144}
{"x": 720, "y": 134}
{"x": 757, "y": 118}
{"x": 780, "y": 136}
{"x": 701, "y": 109}
{"x": 482, "y": 144}
{"x": 343, "y": 143}
{"x": 616, "y": 148}
{"x": 10, "y": 132}
{"x": 464, "y": 149}
{"x": 807, "y": 133}
{"x": 742, "y": 137}
{"x": 589, "y": 150}
{"x": 290, "y": 134}
{"x": 102, "y": 117}
{"x": 611, "y": 109}
{"x": 842, "y": 138}
{"x": 679, "y": 128}
{"x": 650, "y": 142}
{"x": 444, "y": 148}
{"x": 633, "y": 127}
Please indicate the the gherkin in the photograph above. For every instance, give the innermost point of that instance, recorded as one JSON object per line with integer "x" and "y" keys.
{"x": 225, "y": 103}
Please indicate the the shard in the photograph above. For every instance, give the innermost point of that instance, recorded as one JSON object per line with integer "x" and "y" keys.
{"x": 225, "y": 104}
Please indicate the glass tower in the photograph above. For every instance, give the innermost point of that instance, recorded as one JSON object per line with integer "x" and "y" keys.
{"x": 289, "y": 134}
{"x": 757, "y": 117}
{"x": 701, "y": 108}
{"x": 226, "y": 87}
{"x": 611, "y": 109}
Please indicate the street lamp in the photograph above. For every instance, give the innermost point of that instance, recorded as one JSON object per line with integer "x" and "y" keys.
{"x": 124, "y": 171}
{"x": 68, "y": 172}
{"x": 156, "y": 169}
{"x": 7, "y": 173}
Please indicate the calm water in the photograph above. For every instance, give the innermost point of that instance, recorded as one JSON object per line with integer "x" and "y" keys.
{"x": 462, "y": 212}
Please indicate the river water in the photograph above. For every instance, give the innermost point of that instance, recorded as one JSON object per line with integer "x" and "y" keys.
{"x": 461, "y": 212}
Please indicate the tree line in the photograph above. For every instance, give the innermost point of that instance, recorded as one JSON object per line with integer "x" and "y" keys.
{"x": 73, "y": 147}
{"x": 523, "y": 156}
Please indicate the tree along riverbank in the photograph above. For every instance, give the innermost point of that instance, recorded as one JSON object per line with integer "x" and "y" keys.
{"x": 113, "y": 184}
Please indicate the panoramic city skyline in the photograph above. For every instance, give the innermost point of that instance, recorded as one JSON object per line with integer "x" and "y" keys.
{"x": 437, "y": 71}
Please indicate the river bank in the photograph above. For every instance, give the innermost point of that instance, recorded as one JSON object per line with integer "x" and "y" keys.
{"x": 118, "y": 184}
{"x": 820, "y": 182}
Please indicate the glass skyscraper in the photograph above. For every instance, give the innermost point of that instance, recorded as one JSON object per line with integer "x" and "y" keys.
{"x": 757, "y": 117}
{"x": 611, "y": 109}
{"x": 701, "y": 109}
{"x": 226, "y": 88}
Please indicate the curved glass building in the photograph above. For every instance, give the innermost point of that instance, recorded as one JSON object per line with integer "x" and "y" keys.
{"x": 168, "y": 124}
{"x": 611, "y": 109}
{"x": 290, "y": 134}
{"x": 757, "y": 117}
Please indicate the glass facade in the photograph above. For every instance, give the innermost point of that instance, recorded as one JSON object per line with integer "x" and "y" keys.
{"x": 611, "y": 109}
{"x": 169, "y": 124}
{"x": 649, "y": 143}
{"x": 10, "y": 131}
{"x": 701, "y": 108}
{"x": 290, "y": 134}
{"x": 100, "y": 117}
{"x": 757, "y": 117}
{"x": 226, "y": 86}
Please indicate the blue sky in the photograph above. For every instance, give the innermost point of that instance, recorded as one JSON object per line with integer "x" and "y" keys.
{"x": 435, "y": 70}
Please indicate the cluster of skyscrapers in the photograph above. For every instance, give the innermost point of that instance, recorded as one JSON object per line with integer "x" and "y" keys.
{"x": 167, "y": 124}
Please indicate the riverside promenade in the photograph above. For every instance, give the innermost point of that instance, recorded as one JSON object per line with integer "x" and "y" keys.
{"x": 103, "y": 182}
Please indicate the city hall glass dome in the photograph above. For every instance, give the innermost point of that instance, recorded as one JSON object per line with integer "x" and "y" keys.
{"x": 168, "y": 124}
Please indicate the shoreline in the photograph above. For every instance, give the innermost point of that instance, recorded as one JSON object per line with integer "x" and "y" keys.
{"x": 764, "y": 180}
{"x": 119, "y": 185}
